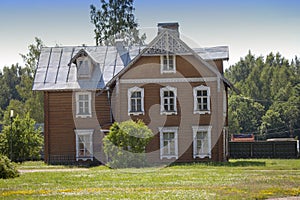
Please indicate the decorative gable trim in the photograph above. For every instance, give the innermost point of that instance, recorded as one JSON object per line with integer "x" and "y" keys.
{"x": 167, "y": 43}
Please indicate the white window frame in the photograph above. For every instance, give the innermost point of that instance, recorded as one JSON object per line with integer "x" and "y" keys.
{"x": 197, "y": 129}
{"x": 163, "y": 130}
{"x": 84, "y": 132}
{"x": 162, "y": 100}
{"x": 168, "y": 70}
{"x": 89, "y": 113}
{"x": 130, "y": 92}
{"x": 201, "y": 88}
{"x": 87, "y": 62}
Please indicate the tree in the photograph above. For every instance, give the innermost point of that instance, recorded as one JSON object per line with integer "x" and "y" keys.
{"x": 126, "y": 143}
{"x": 21, "y": 140}
{"x": 272, "y": 82}
{"x": 9, "y": 78}
{"x": 115, "y": 20}
{"x": 32, "y": 57}
{"x": 244, "y": 115}
{"x": 33, "y": 100}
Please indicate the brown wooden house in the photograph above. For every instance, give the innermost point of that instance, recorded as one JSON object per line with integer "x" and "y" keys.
{"x": 179, "y": 92}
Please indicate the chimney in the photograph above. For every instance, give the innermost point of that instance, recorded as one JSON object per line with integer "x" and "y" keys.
{"x": 173, "y": 27}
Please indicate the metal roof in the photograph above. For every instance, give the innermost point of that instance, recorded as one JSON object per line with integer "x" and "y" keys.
{"x": 213, "y": 53}
{"x": 56, "y": 69}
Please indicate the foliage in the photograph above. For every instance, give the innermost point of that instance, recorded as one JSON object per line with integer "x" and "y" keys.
{"x": 236, "y": 179}
{"x": 273, "y": 86}
{"x": 9, "y": 78}
{"x": 16, "y": 87}
{"x": 7, "y": 169}
{"x": 21, "y": 141}
{"x": 115, "y": 20}
{"x": 125, "y": 144}
{"x": 32, "y": 57}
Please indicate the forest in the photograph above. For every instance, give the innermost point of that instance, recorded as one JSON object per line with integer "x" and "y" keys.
{"x": 268, "y": 102}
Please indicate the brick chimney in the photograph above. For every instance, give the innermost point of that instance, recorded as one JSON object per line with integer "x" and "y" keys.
{"x": 173, "y": 26}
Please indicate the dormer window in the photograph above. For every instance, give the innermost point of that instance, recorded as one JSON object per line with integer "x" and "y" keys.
{"x": 84, "y": 67}
{"x": 168, "y": 64}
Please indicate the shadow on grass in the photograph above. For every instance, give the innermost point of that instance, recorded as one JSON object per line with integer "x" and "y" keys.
{"x": 239, "y": 163}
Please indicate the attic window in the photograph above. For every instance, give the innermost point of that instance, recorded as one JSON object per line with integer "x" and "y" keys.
{"x": 84, "y": 67}
{"x": 168, "y": 63}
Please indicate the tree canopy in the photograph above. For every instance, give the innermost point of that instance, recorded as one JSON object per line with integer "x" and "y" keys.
{"x": 269, "y": 103}
{"x": 115, "y": 20}
{"x": 16, "y": 87}
{"x": 126, "y": 143}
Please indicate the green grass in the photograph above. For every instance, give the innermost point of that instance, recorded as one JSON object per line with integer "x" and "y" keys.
{"x": 237, "y": 179}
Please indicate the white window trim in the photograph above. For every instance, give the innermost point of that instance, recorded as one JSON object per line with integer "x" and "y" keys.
{"x": 162, "y": 71}
{"x": 79, "y": 132}
{"x": 130, "y": 91}
{"x": 195, "y": 130}
{"x": 162, "y": 109}
{"x": 89, "y": 63}
{"x": 168, "y": 129}
{"x": 195, "y": 89}
{"x": 77, "y": 104}
{"x": 224, "y": 103}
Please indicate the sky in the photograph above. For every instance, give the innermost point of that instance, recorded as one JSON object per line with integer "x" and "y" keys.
{"x": 262, "y": 26}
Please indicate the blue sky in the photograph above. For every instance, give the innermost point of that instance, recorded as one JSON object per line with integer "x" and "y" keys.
{"x": 263, "y": 26}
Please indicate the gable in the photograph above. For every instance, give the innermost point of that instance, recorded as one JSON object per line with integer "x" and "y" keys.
{"x": 169, "y": 43}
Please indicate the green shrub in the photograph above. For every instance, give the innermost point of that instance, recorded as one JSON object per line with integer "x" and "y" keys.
{"x": 7, "y": 169}
{"x": 21, "y": 141}
{"x": 125, "y": 144}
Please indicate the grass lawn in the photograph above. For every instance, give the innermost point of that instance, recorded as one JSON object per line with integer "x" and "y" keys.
{"x": 237, "y": 179}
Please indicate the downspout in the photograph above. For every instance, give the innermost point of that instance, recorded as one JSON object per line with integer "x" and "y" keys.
{"x": 109, "y": 103}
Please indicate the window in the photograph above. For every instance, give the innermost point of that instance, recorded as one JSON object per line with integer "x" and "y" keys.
{"x": 83, "y": 67}
{"x": 83, "y": 104}
{"x": 84, "y": 144}
{"x": 201, "y": 100}
{"x": 168, "y": 142}
{"x": 202, "y": 141}
{"x": 168, "y": 100}
{"x": 168, "y": 64}
{"x": 135, "y": 101}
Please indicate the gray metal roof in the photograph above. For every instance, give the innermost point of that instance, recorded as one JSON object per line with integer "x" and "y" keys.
{"x": 56, "y": 70}
{"x": 213, "y": 53}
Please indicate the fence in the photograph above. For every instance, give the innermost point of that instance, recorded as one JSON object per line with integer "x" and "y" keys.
{"x": 274, "y": 149}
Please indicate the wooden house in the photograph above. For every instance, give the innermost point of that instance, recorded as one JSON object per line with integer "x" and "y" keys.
{"x": 178, "y": 91}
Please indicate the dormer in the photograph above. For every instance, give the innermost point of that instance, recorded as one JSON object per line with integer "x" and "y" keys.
{"x": 84, "y": 67}
{"x": 85, "y": 64}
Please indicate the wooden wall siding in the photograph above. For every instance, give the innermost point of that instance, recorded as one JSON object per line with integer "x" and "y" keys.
{"x": 149, "y": 67}
{"x": 186, "y": 66}
{"x": 60, "y": 123}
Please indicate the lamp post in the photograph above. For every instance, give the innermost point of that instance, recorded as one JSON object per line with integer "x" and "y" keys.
{"x": 11, "y": 120}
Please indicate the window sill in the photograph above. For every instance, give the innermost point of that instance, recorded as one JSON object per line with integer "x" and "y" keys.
{"x": 168, "y": 157}
{"x": 202, "y": 112}
{"x": 83, "y": 116}
{"x": 84, "y": 158}
{"x": 168, "y": 113}
{"x": 136, "y": 113}
{"x": 168, "y": 72}
{"x": 202, "y": 156}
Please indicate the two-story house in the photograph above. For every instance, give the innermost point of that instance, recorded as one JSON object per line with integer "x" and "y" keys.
{"x": 178, "y": 91}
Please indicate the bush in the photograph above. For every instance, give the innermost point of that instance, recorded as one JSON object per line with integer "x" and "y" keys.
{"x": 126, "y": 143}
{"x": 7, "y": 169}
{"x": 21, "y": 141}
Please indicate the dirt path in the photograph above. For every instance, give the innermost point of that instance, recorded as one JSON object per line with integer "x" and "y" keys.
{"x": 22, "y": 171}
